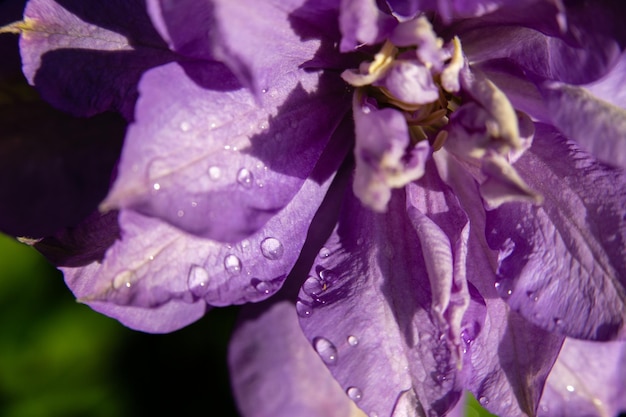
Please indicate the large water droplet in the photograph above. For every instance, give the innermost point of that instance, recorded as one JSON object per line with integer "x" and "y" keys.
{"x": 215, "y": 173}
{"x": 303, "y": 309}
{"x": 232, "y": 264}
{"x": 272, "y": 249}
{"x": 312, "y": 287}
{"x": 245, "y": 178}
{"x": 353, "y": 340}
{"x": 198, "y": 280}
{"x": 326, "y": 350}
{"x": 354, "y": 393}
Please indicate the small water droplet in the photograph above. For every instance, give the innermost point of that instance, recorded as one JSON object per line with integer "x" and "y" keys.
{"x": 326, "y": 350}
{"x": 327, "y": 276}
{"x": 353, "y": 340}
{"x": 194, "y": 204}
{"x": 324, "y": 252}
{"x": 156, "y": 186}
{"x": 198, "y": 280}
{"x": 354, "y": 393}
{"x": 123, "y": 280}
{"x": 261, "y": 286}
{"x": 302, "y": 309}
{"x": 558, "y": 322}
{"x": 185, "y": 126}
{"x": 212, "y": 125}
{"x": 504, "y": 288}
{"x": 180, "y": 213}
{"x": 532, "y": 296}
{"x": 264, "y": 125}
{"x": 570, "y": 388}
{"x": 245, "y": 243}
{"x": 272, "y": 249}
{"x": 215, "y": 173}
{"x": 245, "y": 178}
{"x": 264, "y": 90}
{"x": 366, "y": 109}
{"x": 483, "y": 401}
{"x": 232, "y": 264}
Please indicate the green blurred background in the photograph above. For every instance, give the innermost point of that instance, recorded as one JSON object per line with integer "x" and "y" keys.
{"x": 59, "y": 358}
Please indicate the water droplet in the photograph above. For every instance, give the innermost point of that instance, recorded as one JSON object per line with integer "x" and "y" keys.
{"x": 232, "y": 264}
{"x": 212, "y": 125}
{"x": 215, "y": 173}
{"x": 366, "y": 110}
{"x": 532, "y": 296}
{"x": 327, "y": 276}
{"x": 302, "y": 309}
{"x": 245, "y": 243}
{"x": 264, "y": 90}
{"x": 180, "y": 213}
{"x": 156, "y": 186}
{"x": 354, "y": 393}
{"x": 264, "y": 125}
{"x": 312, "y": 287}
{"x": 272, "y": 249}
{"x": 261, "y": 286}
{"x": 198, "y": 280}
{"x": 483, "y": 401}
{"x": 123, "y": 280}
{"x": 504, "y": 288}
{"x": 185, "y": 126}
{"x": 245, "y": 177}
{"x": 194, "y": 204}
{"x": 353, "y": 340}
{"x": 558, "y": 322}
{"x": 324, "y": 252}
{"x": 326, "y": 350}
{"x": 570, "y": 388}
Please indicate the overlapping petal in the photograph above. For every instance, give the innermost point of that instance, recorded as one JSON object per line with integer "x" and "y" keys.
{"x": 276, "y": 373}
{"x": 206, "y": 157}
{"x": 109, "y": 51}
{"x": 562, "y": 265}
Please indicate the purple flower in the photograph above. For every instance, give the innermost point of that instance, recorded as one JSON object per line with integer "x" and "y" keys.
{"x": 435, "y": 190}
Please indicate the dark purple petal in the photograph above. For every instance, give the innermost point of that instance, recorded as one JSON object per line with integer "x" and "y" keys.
{"x": 217, "y": 164}
{"x": 506, "y": 358}
{"x": 563, "y": 265}
{"x": 275, "y": 371}
{"x": 596, "y": 125}
{"x": 588, "y": 379}
{"x": 45, "y": 184}
{"x": 368, "y": 300}
{"x": 109, "y": 45}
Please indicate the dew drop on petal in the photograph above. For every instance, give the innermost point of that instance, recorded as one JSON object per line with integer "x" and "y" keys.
{"x": 504, "y": 288}
{"x": 232, "y": 264}
{"x": 324, "y": 252}
{"x": 245, "y": 177}
{"x": 156, "y": 186}
{"x": 262, "y": 286}
{"x": 185, "y": 126}
{"x": 354, "y": 393}
{"x": 303, "y": 310}
{"x": 198, "y": 280}
{"x": 272, "y": 249}
{"x": 180, "y": 213}
{"x": 215, "y": 173}
{"x": 326, "y": 350}
{"x": 353, "y": 340}
{"x": 483, "y": 401}
{"x": 570, "y": 388}
{"x": 312, "y": 287}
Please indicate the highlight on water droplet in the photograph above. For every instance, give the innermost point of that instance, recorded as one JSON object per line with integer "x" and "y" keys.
{"x": 326, "y": 350}
{"x": 185, "y": 126}
{"x": 324, "y": 252}
{"x": 483, "y": 400}
{"x": 272, "y": 249}
{"x": 354, "y": 393}
{"x": 123, "y": 280}
{"x": 215, "y": 173}
{"x": 198, "y": 280}
{"x": 232, "y": 264}
{"x": 245, "y": 178}
{"x": 353, "y": 340}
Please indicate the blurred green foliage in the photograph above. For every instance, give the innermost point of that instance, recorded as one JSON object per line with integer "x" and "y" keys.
{"x": 61, "y": 359}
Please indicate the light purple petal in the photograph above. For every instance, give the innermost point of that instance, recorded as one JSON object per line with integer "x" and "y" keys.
{"x": 596, "y": 125}
{"x": 154, "y": 264}
{"x": 215, "y": 163}
{"x": 110, "y": 45}
{"x": 382, "y": 160}
{"x": 563, "y": 265}
{"x": 506, "y": 358}
{"x": 410, "y": 83}
{"x": 276, "y": 373}
{"x": 588, "y": 379}
{"x": 610, "y": 87}
{"x": 368, "y": 300}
